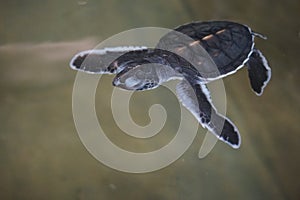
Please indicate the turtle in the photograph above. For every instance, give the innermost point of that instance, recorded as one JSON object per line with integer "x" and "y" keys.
{"x": 225, "y": 45}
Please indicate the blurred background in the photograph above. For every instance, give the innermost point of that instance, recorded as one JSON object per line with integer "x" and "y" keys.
{"x": 41, "y": 155}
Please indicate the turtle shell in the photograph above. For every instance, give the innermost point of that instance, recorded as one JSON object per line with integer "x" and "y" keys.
{"x": 229, "y": 44}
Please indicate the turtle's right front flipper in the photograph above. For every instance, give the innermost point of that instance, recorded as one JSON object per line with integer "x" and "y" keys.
{"x": 100, "y": 61}
{"x": 196, "y": 98}
{"x": 259, "y": 71}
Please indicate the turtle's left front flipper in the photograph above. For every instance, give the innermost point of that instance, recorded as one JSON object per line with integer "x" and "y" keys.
{"x": 196, "y": 98}
{"x": 259, "y": 71}
{"x": 100, "y": 61}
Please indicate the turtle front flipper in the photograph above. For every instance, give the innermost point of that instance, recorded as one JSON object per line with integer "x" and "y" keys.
{"x": 259, "y": 71}
{"x": 196, "y": 98}
{"x": 100, "y": 61}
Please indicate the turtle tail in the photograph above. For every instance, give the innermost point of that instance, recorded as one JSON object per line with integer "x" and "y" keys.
{"x": 259, "y": 35}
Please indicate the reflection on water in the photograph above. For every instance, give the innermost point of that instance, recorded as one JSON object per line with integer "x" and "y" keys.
{"x": 41, "y": 156}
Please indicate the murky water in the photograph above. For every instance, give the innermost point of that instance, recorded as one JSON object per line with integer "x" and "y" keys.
{"x": 41, "y": 155}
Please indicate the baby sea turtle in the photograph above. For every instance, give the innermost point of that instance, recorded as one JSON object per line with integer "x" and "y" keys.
{"x": 228, "y": 45}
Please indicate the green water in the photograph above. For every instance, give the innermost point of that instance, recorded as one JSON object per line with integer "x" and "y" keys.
{"x": 41, "y": 155}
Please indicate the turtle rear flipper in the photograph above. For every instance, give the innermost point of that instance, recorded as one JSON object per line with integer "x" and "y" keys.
{"x": 196, "y": 98}
{"x": 259, "y": 71}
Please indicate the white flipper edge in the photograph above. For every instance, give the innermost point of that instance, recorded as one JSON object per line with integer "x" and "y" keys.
{"x": 268, "y": 69}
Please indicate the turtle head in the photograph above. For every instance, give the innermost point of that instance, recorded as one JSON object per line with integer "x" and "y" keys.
{"x": 140, "y": 77}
